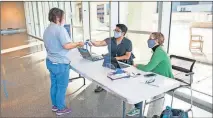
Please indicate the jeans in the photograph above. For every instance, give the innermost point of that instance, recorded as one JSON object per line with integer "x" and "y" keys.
{"x": 59, "y": 74}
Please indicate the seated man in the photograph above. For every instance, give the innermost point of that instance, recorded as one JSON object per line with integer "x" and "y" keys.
{"x": 118, "y": 46}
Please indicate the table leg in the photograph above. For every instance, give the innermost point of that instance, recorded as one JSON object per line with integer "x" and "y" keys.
{"x": 141, "y": 111}
{"x": 124, "y": 109}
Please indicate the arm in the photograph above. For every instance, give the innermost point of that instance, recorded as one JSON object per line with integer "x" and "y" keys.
{"x": 128, "y": 52}
{"x": 66, "y": 40}
{"x": 99, "y": 43}
{"x": 155, "y": 60}
{"x": 72, "y": 45}
{"x": 124, "y": 57}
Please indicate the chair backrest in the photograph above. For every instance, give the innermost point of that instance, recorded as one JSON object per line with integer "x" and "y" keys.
{"x": 181, "y": 66}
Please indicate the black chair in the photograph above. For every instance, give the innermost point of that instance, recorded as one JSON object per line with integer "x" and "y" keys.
{"x": 183, "y": 72}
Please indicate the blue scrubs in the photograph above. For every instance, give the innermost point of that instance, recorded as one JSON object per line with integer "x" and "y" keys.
{"x": 55, "y": 36}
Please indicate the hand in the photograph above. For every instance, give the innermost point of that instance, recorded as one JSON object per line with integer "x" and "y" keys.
{"x": 116, "y": 58}
{"x": 90, "y": 43}
{"x": 81, "y": 44}
{"x": 135, "y": 65}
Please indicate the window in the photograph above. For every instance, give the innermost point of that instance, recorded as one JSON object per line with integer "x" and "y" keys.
{"x": 45, "y": 7}
{"x": 76, "y": 13}
{"x": 191, "y": 36}
{"x": 77, "y": 23}
{"x": 99, "y": 24}
{"x": 55, "y": 4}
{"x": 41, "y": 19}
{"x": 68, "y": 12}
{"x": 141, "y": 19}
{"x": 27, "y": 16}
{"x": 31, "y": 19}
{"x": 36, "y": 22}
{"x": 61, "y": 5}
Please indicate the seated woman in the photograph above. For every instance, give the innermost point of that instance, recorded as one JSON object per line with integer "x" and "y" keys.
{"x": 160, "y": 64}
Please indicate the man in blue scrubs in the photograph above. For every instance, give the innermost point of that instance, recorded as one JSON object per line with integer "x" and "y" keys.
{"x": 119, "y": 47}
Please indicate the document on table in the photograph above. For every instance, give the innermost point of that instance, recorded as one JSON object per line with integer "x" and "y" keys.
{"x": 118, "y": 76}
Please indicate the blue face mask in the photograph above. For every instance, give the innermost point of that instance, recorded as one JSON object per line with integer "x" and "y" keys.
{"x": 151, "y": 43}
{"x": 117, "y": 34}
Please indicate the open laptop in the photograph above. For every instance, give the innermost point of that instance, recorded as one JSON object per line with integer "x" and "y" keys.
{"x": 118, "y": 64}
{"x": 112, "y": 63}
{"x": 89, "y": 56}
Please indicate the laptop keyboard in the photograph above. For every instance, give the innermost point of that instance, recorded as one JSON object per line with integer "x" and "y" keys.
{"x": 97, "y": 58}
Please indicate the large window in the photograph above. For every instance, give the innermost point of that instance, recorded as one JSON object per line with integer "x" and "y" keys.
{"x": 41, "y": 18}
{"x": 191, "y": 36}
{"x": 77, "y": 22}
{"x": 35, "y": 16}
{"x": 45, "y": 7}
{"x": 31, "y": 23}
{"x": 141, "y": 18}
{"x": 99, "y": 23}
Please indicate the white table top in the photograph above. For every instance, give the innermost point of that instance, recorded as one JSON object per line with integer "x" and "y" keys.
{"x": 132, "y": 90}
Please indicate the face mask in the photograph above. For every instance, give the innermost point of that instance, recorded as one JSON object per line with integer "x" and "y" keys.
{"x": 117, "y": 34}
{"x": 151, "y": 43}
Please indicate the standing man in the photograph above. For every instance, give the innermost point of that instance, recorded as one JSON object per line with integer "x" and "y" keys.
{"x": 118, "y": 46}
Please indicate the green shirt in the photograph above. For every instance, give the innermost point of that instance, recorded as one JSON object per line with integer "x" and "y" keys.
{"x": 159, "y": 63}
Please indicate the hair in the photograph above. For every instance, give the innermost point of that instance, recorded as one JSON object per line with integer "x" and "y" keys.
{"x": 55, "y": 13}
{"x": 122, "y": 27}
{"x": 159, "y": 36}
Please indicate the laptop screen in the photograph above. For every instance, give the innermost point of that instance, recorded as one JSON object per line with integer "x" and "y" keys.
{"x": 84, "y": 52}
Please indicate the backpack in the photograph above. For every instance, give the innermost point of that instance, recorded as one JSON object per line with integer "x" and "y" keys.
{"x": 173, "y": 113}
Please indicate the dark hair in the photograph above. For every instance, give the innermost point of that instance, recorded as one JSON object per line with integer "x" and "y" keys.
{"x": 55, "y": 13}
{"x": 122, "y": 27}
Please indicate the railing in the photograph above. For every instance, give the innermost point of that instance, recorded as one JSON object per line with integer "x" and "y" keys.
{"x": 12, "y": 31}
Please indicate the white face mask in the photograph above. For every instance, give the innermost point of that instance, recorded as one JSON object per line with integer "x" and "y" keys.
{"x": 117, "y": 34}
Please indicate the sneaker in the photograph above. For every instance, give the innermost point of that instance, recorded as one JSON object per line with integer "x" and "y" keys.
{"x": 64, "y": 111}
{"x": 54, "y": 108}
{"x": 134, "y": 112}
{"x": 98, "y": 89}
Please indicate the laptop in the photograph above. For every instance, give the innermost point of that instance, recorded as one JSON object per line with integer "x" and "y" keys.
{"x": 89, "y": 56}
{"x": 112, "y": 63}
{"x": 118, "y": 64}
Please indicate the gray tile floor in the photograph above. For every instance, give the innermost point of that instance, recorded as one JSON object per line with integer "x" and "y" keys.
{"x": 25, "y": 93}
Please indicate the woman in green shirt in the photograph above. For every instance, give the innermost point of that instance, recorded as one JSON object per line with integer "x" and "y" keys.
{"x": 159, "y": 63}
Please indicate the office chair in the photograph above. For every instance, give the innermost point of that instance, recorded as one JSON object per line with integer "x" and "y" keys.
{"x": 184, "y": 73}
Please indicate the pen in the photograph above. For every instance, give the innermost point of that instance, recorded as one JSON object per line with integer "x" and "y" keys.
{"x": 152, "y": 85}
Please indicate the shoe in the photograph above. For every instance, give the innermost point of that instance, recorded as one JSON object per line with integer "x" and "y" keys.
{"x": 134, "y": 112}
{"x": 54, "y": 108}
{"x": 64, "y": 111}
{"x": 98, "y": 89}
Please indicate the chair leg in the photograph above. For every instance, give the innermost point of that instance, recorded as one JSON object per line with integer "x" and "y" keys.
{"x": 144, "y": 107}
{"x": 172, "y": 98}
{"x": 191, "y": 97}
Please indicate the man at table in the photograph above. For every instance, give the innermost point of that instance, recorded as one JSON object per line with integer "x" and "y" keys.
{"x": 119, "y": 47}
